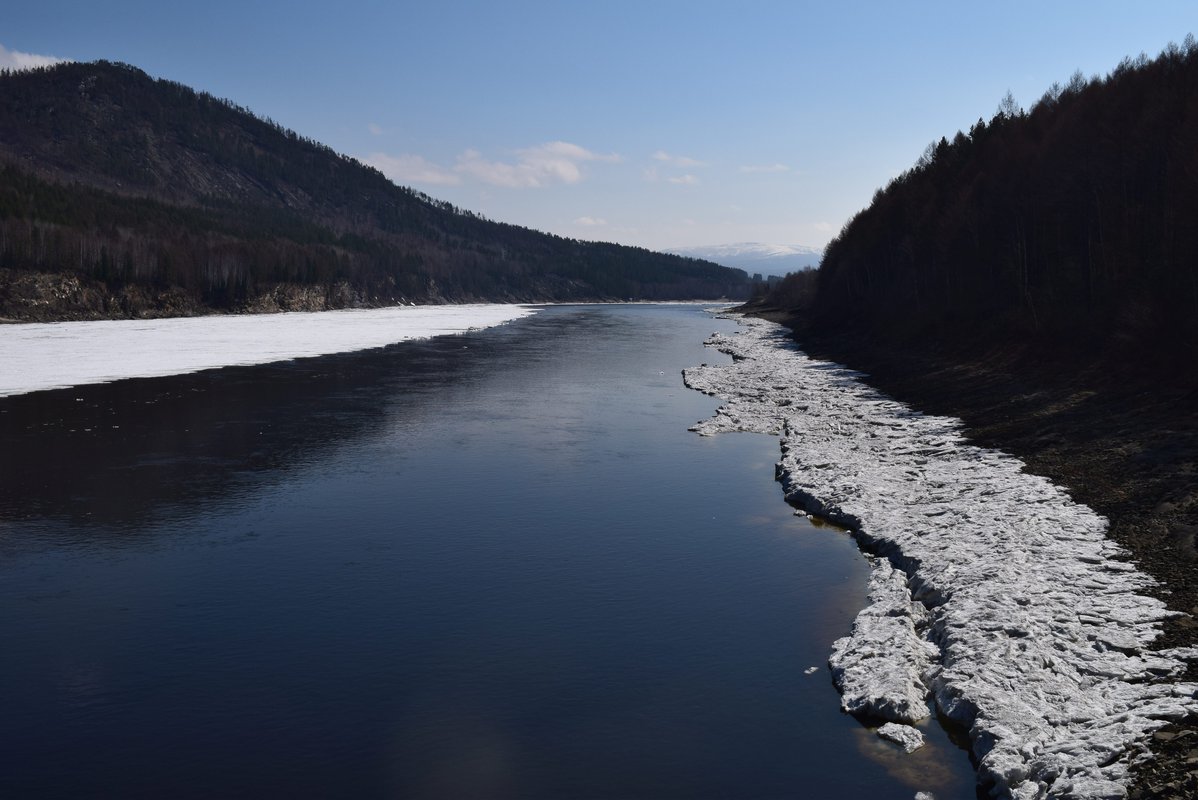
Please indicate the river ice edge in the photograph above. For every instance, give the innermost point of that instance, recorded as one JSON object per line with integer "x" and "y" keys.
{"x": 55, "y": 355}
{"x": 1013, "y": 611}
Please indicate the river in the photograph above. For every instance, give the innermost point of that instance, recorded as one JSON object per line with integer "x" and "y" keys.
{"x": 495, "y": 564}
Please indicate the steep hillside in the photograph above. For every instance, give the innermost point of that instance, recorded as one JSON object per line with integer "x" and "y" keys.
{"x": 1071, "y": 225}
{"x": 1037, "y": 277}
{"x": 136, "y": 195}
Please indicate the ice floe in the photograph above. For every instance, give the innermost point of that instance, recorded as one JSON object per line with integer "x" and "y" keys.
{"x": 904, "y": 736}
{"x": 994, "y": 593}
{"x": 879, "y": 667}
{"x": 38, "y": 356}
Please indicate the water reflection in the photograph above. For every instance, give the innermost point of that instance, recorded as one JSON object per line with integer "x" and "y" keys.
{"x": 118, "y": 454}
{"x": 492, "y": 565}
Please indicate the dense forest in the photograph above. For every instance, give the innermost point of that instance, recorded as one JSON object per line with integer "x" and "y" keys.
{"x": 122, "y": 182}
{"x": 1073, "y": 224}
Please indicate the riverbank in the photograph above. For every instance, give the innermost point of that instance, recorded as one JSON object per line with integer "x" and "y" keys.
{"x": 1120, "y": 439}
{"x": 53, "y": 356}
{"x": 1042, "y": 638}
{"x": 500, "y": 555}
{"x": 29, "y": 296}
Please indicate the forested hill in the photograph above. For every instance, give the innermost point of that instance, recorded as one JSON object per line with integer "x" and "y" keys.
{"x": 122, "y": 194}
{"x": 1073, "y": 226}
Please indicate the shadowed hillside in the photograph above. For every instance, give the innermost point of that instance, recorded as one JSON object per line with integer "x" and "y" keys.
{"x": 1071, "y": 225}
{"x": 124, "y": 194}
{"x": 1037, "y": 277}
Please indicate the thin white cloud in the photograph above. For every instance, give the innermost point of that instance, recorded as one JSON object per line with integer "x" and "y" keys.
{"x": 684, "y": 180}
{"x": 543, "y": 165}
{"x": 650, "y": 174}
{"x": 759, "y": 168}
{"x": 591, "y": 222}
{"x": 15, "y": 59}
{"x": 677, "y": 161}
{"x": 412, "y": 169}
{"x": 375, "y": 129}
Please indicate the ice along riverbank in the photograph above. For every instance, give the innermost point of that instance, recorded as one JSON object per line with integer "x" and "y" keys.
{"x": 54, "y": 355}
{"x": 494, "y": 564}
{"x": 1007, "y": 606}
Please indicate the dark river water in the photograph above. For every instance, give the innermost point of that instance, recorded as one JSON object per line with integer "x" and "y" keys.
{"x": 492, "y": 565}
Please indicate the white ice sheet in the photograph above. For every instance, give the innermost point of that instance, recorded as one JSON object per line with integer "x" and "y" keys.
{"x": 39, "y": 356}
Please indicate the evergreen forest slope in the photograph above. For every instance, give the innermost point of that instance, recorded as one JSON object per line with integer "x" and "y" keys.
{"x": 1073, "y": 225}
{"x": 121, "y": 194}
{"x": 1037, "y": 277}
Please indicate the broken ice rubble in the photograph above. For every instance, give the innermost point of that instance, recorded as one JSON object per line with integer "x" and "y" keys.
{"x": 903, "y": 735}
{"x": 879, "y": 667}
{"x": 994, "y": 592}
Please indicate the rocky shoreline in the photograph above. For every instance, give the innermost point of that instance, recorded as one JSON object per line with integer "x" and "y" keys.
{"x": 1044, "y": 634}
{"x": 63, "y": 297}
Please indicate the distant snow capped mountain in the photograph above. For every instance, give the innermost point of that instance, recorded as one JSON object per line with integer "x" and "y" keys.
{"x": 768, "y": 259}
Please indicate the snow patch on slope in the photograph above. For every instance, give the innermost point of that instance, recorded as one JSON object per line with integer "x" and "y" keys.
{"x": 1035, "y": 627}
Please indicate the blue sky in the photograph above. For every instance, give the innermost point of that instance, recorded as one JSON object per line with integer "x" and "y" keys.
{"x": 660, "y": 124}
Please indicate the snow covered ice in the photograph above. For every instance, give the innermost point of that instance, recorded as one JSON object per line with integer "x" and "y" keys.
{"x": 995, "y": 596}
{"x": 904, "y": 736}
{"x": 879, "y": 667}
{"x": 38, "y": 356}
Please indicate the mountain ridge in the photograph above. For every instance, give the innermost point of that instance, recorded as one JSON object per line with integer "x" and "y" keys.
{"x": 769, "y": 259}
{"x": 132, "y": 186}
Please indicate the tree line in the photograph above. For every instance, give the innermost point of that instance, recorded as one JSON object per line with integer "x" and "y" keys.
{"x": 117, "y": 177}
{"x": 1072, "y": 221}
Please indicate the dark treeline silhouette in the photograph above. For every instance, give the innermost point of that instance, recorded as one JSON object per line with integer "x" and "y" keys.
{"x": 1073, "y": 224}
{"x": 1036, "y": 277}
{"x": 121, "y": 179}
